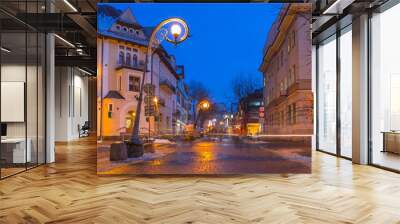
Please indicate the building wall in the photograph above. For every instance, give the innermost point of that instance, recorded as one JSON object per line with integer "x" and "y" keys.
{"x": 113, "y": 78}
{"x": 168, "y": 111}
{"x": 287, "y": 93}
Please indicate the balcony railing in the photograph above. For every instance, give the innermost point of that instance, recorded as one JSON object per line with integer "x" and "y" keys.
{"x": 135, "y": 66}
{"x": 165, "y": 83}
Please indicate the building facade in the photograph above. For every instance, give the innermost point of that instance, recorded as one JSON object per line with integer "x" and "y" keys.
{"x": 250, "y": 113}
{"x": 286, "y": 69}
{"x": 184, "y": 116}
{"x": 121, "y": 60}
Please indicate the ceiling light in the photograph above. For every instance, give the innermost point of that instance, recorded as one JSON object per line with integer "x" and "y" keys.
{"x": 84, "y": 71}
{"x": 65, "y": 41}
{"x": 70, "y": 5}
{"x": 5, "y": 50}
{"x": 337, "y": 7}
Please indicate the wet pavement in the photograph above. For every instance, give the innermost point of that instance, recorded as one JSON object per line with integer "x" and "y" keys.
{"x": 216, "y": 156}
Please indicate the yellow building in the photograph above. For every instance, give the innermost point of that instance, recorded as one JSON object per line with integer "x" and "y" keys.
{"x": 120, "y": 62}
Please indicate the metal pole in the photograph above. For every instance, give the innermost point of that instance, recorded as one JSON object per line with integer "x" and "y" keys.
{"x": 135, "y": 132}
{"x": 135, "y": 139}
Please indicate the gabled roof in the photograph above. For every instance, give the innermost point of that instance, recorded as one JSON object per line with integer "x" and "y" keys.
{"x": 112, "y": 94}
{"x": 127, "y": 17}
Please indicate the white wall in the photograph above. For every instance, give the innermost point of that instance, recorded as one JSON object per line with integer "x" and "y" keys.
{"x": 71, "y": 102}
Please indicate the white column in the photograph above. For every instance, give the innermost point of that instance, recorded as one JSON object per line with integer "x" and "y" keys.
{"x": 360, "y": 90}
{"x": 50, "y": 100}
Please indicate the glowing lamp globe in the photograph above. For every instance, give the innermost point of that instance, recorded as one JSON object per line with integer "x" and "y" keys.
{"x": 176, "y": 30}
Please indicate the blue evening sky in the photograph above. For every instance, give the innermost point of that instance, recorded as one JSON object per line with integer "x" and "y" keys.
{"x": 226, "y": 38}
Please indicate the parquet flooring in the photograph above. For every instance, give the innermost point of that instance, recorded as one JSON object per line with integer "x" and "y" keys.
{"x": 69, "y": 191}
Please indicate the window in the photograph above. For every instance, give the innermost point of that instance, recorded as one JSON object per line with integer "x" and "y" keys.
{"x": 125, "y": 29}
{"x": 137, "y": 32}
{"x": 385, "y": 88}
{"x": 294, "y": 73}
{"x": 128, "y": 58}
{"x": 134, "y": 84}
{"x": 346, "y": 93}
{"x": 294, "y": 113}
{"x": 131, "y": 30}
{"x": 134, "y": 60}
{"x": 118, "y": 27}
{"x": 327, "y": 98}
{"x": 110, "y": 110}
{"x": 293, "y": 38}
{"x": 121, "y": 58}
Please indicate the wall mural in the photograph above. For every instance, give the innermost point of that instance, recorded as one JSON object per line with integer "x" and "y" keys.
{"x": 204, "y": 88}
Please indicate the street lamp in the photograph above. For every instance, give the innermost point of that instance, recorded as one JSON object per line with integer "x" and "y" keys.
{"x": 203, "y": 105}
{"x": 171, "y": 31}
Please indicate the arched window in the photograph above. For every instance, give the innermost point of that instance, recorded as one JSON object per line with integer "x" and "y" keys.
{"x": 128, "y": 58}
{"x": 134, "y": 60}
{"x": 121, "y": 58}
{"x": 118, "y": 27}
{"x": 125, "y": 29}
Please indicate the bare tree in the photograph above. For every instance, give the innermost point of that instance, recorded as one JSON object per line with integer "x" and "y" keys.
{"x": 198, "y": 91}
{"x": 244, "y": 84}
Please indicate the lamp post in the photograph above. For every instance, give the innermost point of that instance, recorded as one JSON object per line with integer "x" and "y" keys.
{"x": 174, "y": 30}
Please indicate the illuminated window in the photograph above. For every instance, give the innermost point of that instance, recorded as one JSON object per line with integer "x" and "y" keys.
{"x": 134, "y": 84}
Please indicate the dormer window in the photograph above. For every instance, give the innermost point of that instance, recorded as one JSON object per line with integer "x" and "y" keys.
{"x": 118, "y": 27}
{"x": 137, "y": 32}
{"x": 125, "y": 29}
{"x": 131, "y": 30}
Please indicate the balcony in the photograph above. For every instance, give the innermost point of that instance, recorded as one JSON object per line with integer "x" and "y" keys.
{"x": 134, "y": 66}
{"x": 300, "y": 84}
{"x": 167, "y": 85}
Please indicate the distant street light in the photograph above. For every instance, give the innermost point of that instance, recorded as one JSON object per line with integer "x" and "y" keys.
{"x": 202, "y": 106}
{"x": 171, "y": 31}
{"x": 205, "y": 105}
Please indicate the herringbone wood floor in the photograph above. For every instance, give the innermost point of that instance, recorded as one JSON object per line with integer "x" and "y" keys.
{"x": 70, "y": 192}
